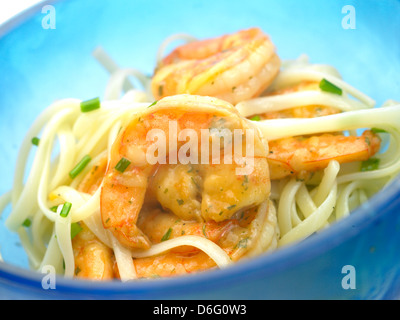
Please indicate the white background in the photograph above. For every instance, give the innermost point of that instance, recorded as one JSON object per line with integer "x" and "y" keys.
{"x": 9, "y": 8}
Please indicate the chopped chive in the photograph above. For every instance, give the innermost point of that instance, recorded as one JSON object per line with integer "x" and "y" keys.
{"x": 231, "y": 207}
{"x": 194, "y": 182}
{"x": 54, "y": 209}
{"x": 377, "y": 130}
{"x": 65, "y": 209}
{"x": 35, "y": 141}
{"x": 152, "y": 104}
{"x": 27, "y": 223}
{"x": 327, "y": 86}
{"x": 122, "y": 165}
{"x": 90, "y": 105}
{"x": 80, "y": 166}
{"x": 180, "y": 201}
{"x": 256, "y": 118}
{"x": 166, "y": 235}
{"x": 75, "y": 229}
{"x": 370, "y": 164}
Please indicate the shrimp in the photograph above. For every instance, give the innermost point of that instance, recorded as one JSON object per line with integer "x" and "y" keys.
{"x": 233, "y": 67}
{"x": 220, "y": 192}
{"x": 301, "y": 155}
{"x": 207, "y": 193}
{"x": 93, "y": 259}
{"x": 296, "y": 155}
{"x": 237, "y": 236}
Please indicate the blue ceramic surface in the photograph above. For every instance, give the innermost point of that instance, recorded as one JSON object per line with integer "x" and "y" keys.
{"x": 38, "y": 66}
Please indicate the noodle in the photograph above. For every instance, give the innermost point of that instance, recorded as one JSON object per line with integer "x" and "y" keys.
{"x": 124, "y": 260}
{"x": 212, "y": 250}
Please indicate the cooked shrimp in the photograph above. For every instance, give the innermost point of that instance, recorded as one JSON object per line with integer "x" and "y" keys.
{"x": 213, "y": 192}
{"x": 302, "y": 155}
{"x": 237, "y": 236}
{"x": 123, "y": 193}
{"x": 296, "y": 155}
{"x": 233, "y": 67}
{"x": 93, "y": 259}
{"x": 171, "y": 264}
{"x": 178, "y": 182}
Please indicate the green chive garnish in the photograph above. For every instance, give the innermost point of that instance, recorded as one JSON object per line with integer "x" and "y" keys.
{"x": 180, "y": 201}
{"x": 75, "y": 229}
{"x": 256, "y": 118}
{"x": 54, "y": 209}
{"x": 65, "y": 209}
{"x": 80, "y": 166}
{"x": 166, "y": 235}
{"x": 377, "y": 130}
{"x": 35, "y": 141}
{"x": 155, "y": 102}
{"x": 27, "y": 223}
{"x": 90, "y": 105}
{"x": 231, "y": 207}
{"x": 327, "y": 86}
{"x": 122, "y": 165}
{"x": 370, "y": 164}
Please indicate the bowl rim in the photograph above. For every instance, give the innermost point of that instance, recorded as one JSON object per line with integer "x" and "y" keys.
{"x": 14, "y": 21}
{"x": 277, "y": 261}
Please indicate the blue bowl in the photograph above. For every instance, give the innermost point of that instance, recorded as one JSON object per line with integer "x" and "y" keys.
{"x": 39, "y": 65}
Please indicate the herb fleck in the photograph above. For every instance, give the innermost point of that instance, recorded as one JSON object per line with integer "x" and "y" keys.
{"x": 152, "y": 104}
{"x": 27, "y": 223}
{"x": 195, "y": 183}
{"x": 242, "y": 243}
{"x": 166, "y": 235}
{"x": 204, "y": 231}
{"x": 77, "y": 270}
{"x": 256, "y": 118}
